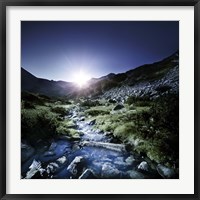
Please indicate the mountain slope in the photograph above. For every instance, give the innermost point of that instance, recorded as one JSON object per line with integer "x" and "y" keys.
{"x": 148, "y": 80}
{"x": 33, "y": 84}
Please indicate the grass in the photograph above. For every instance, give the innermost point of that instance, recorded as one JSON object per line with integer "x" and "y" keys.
{"x": 148, "y": 127}
{"x": 43, "y": 118}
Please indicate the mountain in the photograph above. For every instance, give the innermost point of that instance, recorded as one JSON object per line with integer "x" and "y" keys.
{"x": 30, "y": 83}
{"x": 147, "y": 80}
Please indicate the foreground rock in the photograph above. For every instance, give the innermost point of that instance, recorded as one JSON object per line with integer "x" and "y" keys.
{"x": 76, "y": 166}
{"x": 166, "y": 172}
{"x": 143, "y": 166}
{"x": 111, "y": 146}
{"x": 109, "y": 171}
{"x": 87, "y": 174}
{"x": 34, "y": 168}
{"x": 135, "y": 175}
{"x": 26, "y": 152}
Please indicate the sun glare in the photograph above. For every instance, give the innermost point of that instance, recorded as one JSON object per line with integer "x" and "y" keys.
{"x": 81, "y": 78}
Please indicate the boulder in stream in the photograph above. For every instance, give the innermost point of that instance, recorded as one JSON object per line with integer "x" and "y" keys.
{"x": 143, "y": 166}
{"x": 62, "y": 160}
{"x": 92, "y": 122}
{"x": 26, "y": 152}
{"x": 52, "y": 167}
{"x": 53, "y": 146}
{"x": 130, "y": 160}
{"x": 111, "y": 146}
{"x": 34, "y": 168}
{"x": 135, "y": 175}
{"x": 109, "y": 171}
{"x": 49, "y": 153}
{"x": 87, "y": 174}
{"x": 166, "y": 172}
{"x": 76, "y": 166}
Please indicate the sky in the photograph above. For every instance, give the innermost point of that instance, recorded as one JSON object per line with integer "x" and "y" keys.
{"x": 58, "y": 50}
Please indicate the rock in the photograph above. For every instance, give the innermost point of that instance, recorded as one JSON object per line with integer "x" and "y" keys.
{"x": 111, "y": 146}
{"x": 118, "y": 107}
{"x": 76, "y": 165}
{"x": 87, "y": 174}
{"x": 130, "y": 160}
{"x": 109, "y": 171}
{"x": 52, "y": 167}
{"x": 62, "y": 160}
{"x": 82, "y": 119}
{"x": 81, "y": 133}
{"x": 64, "y": 137}
{"x": 49, "y": 153}
{"x": 75, "y": 147}
{"x": 166, "y": 172}
{"x": 143, "y": 166}
{"x": 112, "y": 101}
{"x": 53, "y": 146}
{"x": 72, "y": 126}
{"x": 107, "y": 133}
{"x": 105, "y": 159}
{"x": 34, "y": 168}
{"x": 76, "y": 137}
{"x": 92, "y": 122}
{"x": 135, "y": 175}
{"x": 119, "y": 161}
{"x": 26, "y": 152}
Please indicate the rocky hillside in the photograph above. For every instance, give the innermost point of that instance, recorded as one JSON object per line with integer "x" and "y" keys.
{"x": 145, "y": 81}
{"x": 152, "y": 89}
{"x": 148, "y": 80}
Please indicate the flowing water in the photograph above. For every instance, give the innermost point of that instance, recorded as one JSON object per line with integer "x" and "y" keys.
{"x": 94, "y": 155}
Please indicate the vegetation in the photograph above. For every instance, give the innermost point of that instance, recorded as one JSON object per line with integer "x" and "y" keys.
{"x": 150, "y": 128}
{"x": 42, "y": 118}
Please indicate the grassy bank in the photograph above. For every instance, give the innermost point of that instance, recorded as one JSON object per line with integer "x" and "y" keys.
{"x": 147, "y": 127}
{"x": 43, "y": 118}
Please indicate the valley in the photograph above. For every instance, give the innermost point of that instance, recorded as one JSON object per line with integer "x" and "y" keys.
{"x": 120, "y": 126}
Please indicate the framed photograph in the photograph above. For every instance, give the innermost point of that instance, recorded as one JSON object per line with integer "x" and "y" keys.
{"x": 99, "y": 99}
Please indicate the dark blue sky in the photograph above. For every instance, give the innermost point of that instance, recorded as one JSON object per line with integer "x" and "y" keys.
{"x": 58, "y": 50}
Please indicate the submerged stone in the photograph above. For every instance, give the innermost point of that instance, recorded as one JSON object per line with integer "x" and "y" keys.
{"x": 135, "y": 175}
{"x": 166, "y": 172}
{"x": 87, "y": 174}
{"x": 109, "y": 171}
{"x": 76, "y": 166}
{"x": 26, "y": 152}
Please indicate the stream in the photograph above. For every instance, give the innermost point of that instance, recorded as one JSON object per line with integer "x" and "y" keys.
{"x": 95, "y": 155}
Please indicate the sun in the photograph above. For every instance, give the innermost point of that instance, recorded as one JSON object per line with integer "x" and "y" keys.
{"x": 81, "y": 78}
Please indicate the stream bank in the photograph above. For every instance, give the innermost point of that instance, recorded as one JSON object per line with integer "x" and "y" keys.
{"x": 92, "y": 155}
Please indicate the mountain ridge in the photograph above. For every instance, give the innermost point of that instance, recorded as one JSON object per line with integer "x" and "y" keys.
{"x": 145, "y": 76}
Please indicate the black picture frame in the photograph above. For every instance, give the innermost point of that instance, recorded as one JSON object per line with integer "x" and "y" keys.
{"x": 5, "y": 3}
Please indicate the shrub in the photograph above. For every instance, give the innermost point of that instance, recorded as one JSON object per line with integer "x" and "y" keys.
{"x": 59, "y": 110}
{"x": 163, "y": 88}
{"x": 159, "y": 127}
{"x": 89, "y": 103}
{"x": 32, "y": 98}
{"x": 138, "y": 101}
{"x": 124, "y": 130}
{"x": 38, "y": 124}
